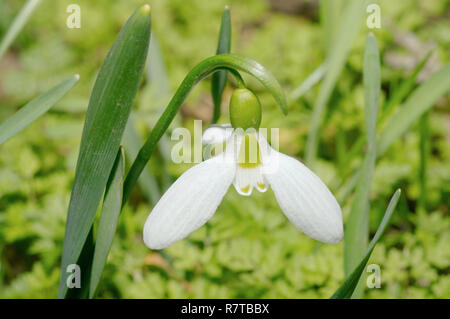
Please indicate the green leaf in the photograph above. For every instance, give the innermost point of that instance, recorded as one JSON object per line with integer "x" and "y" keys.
{"x": 309, "y": 82}
{"x": 420, "y": 101}
{"x": 132, "y": 143}
{"x": 34, "y": 109}
{"x": 156, "y": 70}
{"x": 108, "y": 220}
{"x": 231, "y": 62}
{"x": 219, "y": 79}
{"x": 399, "y": 94}
{"x": 348, "y": 287}
{"x": 357, "y": 227}
{"x": 330, "y": 16}
{"x": 17, "y": 25}
{"x": 350, "y": 22}
{"x": 109, "y": 107}
{"x": 403, "y": 90}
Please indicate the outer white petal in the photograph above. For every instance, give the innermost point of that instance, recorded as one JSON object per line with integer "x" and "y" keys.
{"x": 217, "y": 134}
{"x": 303, "y": 197}
{"x": 189, "y": 203}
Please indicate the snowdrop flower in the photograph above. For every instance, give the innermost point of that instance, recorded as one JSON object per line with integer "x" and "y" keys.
{"x": 248, "y": 162}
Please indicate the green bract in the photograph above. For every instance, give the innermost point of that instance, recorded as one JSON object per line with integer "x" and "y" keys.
{"x": 245, "y": 109}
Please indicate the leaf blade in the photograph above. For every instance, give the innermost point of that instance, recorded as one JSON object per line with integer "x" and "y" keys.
{"x": 347, "y": 288}
{"x": 352, "y": 16}
{"x": 420, "y": 100}
{"x": 108, "y": 220}
{"x": 109, "y": 107}
{"x": 219, "y": 79}
{"x": 357, "y": 228}
{"x": 34, "y": 109}
{"x": 19, "y": 22}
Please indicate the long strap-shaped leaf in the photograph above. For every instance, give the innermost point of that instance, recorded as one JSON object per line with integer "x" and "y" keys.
{"x": 17, "y": 25}
{"x": 109, "y": 107}
{"x": 351, "y": 20}
{"x": 231, "y": 62}
{"x": 108, "y": 220}
{"x": 348, "y": 287}
{"x": 219, "y": 79}
{"x": 34, "y": 109}
{"x": 420, "y": 101}
{"x": 357, "y": 226}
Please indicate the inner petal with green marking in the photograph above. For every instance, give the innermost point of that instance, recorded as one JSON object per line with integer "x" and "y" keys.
{"x": 249, "y": 168}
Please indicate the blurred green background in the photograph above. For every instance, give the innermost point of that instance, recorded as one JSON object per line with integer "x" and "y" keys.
{"x": 248, "y": 249}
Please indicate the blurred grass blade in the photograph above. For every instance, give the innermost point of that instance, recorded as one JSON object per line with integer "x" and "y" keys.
{"x": 330, "y": 14}
{"x": 309, "y": 82}
{"x": 156, "y": 70}
{"x": 17, "y": 25}
{"x": 351, "y": 20}
{"x": 109, "y": 107}
{"x": 231, "y": 62}
{"x": 403, "y": 90}
{"x": 219, "y": 79}
{"x": 420, "y": 101}
{"x": 34, "y": 109}
{"x": 348, "y": 287}
{"x": 357, "y": 227}
{"x": 108, "y": 220}
{"x": 399, "y": 94}
{"x": 132, "y": 143}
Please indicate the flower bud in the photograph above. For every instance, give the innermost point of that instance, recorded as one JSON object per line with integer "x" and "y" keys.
{"x": 245, "y": 109}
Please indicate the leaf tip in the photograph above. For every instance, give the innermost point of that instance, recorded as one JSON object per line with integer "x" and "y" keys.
{"x": 146, "y": 9}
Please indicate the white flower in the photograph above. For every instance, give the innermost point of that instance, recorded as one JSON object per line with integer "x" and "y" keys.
{"x": 194, "y": 197}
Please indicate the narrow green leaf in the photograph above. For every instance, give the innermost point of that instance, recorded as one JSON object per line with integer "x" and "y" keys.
{"x": 156, "y": 70}
{"x": 403, "y": 90}
{"x": 357, "y": 227}
{"x": 34, "y": 109}
{"x": 109, "y": 107}
{"x": 350, "y": 22}
{"x": 330, "y": 15}
{"x": 219, "y": 79}
{"x": 108, "y": 220}
{"x": 420, "y": 101}
{"x": 17, "y": 25}
{"x": 231, "y": 62}
{"x": 399, "y": 94}
{"x": 309, "y": 82}
{"x": 132, "y": 143}
{"x": 348, "y": 287}
{"x": 85, "y": 264}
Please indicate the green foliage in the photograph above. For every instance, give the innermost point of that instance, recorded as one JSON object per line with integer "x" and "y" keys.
{"x": 248, "y": 249}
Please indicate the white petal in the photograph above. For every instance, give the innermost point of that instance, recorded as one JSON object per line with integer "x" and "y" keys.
{"x": 303, "y": 197}
{"x": 189, "y": 203}
{"x": 248, "y": 178}
{"x": 217, "y": 134}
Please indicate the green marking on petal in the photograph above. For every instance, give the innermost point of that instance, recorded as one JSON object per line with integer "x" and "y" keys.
{"x": 262, "y": 186}
{"x": 249, "y": 155}
{"x": 245, "y": 189}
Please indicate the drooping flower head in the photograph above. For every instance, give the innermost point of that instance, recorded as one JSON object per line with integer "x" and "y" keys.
{"x": 248, "y": 162}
